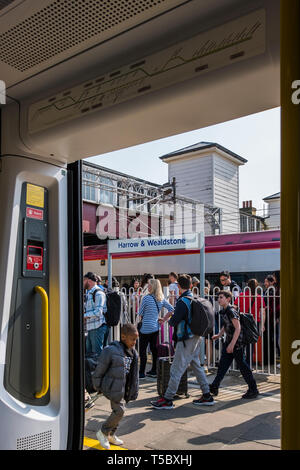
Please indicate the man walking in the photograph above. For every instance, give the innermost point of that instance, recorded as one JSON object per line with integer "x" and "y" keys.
{"x": 94, "y": 310}
{"x": 187, "y": 350}
{"x": 233, "y": 347}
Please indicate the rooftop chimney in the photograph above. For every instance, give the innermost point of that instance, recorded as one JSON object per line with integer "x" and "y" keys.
{"x": 247, "y": 207}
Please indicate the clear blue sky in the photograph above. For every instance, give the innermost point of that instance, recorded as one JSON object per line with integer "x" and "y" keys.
{"x": 255, "y": 137}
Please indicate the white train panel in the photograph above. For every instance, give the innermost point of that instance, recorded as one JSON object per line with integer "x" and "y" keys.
{"x": 234, "y": 261}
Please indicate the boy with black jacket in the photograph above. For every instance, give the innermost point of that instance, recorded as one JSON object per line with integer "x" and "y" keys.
{"x": 116, "y": 376}
{"x": 187, "y": 351}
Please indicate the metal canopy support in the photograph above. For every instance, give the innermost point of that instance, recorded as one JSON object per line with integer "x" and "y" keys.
{"x": 290, "y": 223}
{"x": 109, "y": 265}
{"x": 202, "y": 263}
{"x": 141, "y": 193}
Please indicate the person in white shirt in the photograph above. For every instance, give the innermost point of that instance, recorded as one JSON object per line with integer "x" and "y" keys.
{"x": 124, "y": 304}
{"x": 173, "y": 288}
{"x": 94, "y": 315}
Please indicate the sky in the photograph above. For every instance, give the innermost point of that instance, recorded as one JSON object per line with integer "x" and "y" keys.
{"x": 255, "y": 137}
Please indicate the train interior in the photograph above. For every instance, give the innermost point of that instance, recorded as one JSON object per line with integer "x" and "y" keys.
{"x": 81, "y": 79}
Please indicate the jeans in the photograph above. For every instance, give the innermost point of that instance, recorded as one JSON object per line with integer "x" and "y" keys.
{"x": 186, "y": 354}
{"x": 249, "y": 354}
{"x": 225, "y": 363}
{"x": 96, "y": 339}
{"x": 145, "y": 339}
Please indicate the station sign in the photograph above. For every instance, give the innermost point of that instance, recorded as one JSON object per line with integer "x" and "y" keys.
{"x": 185, "y": 242}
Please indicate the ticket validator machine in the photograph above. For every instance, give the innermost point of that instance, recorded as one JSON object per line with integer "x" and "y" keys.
{"x": 41, "y": 353}
{"x": 27, "y": 366}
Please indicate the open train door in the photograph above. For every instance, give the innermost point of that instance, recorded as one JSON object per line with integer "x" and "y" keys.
{"x": 41, "y": 370}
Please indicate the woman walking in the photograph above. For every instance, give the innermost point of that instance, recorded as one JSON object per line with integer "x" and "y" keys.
{"x": 150, "y": 308}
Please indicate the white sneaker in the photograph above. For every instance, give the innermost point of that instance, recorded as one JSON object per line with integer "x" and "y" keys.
{"x": 103, "y": 439}
{"x": 113, "y": 439}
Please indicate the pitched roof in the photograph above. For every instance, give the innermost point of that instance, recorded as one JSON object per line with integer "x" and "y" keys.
{"x": 202, "y": 146}
{"x": 273, "y": 196}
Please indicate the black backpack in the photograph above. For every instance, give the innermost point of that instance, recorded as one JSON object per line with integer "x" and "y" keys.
{"x": 114, "y": 307}
{"x": 202, "y": 317}
{"x": 250, "y": 333}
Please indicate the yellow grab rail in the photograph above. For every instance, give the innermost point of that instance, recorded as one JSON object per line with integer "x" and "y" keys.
{"x": 45, "y": 339}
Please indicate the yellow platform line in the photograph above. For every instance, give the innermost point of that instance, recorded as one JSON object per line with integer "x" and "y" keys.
{"x": 94, "y": 444}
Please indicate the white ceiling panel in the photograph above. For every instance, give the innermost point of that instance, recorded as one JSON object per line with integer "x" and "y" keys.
{"x": 35, "y": 35}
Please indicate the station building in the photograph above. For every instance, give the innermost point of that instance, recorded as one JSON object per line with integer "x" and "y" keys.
{"x": 209, "y": 172}
{"x": 202, "y": 193}
{"x": 273, "y": 211}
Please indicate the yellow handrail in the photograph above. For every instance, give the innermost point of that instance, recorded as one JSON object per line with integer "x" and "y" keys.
{"x": 45, "y": 339}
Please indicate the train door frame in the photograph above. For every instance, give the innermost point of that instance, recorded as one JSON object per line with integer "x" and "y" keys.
{"x": 290, "y": 237}
{"x": 76, "y": 336}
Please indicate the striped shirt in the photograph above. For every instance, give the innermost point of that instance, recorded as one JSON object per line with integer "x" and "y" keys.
{"x": 94, "y": 311}
{"x": 149, "y": 311}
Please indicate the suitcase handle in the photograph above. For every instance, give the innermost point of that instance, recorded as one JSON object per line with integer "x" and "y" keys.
{"x": 161, "y": 337}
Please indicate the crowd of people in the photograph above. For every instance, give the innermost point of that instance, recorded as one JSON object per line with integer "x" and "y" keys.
{"x": 119, "y": 369}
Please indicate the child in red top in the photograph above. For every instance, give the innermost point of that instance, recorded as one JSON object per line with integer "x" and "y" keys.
{"x": 252, "y": 302}
{"x": 257, "y": 303}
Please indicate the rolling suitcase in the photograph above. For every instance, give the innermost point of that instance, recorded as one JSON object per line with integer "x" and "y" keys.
{"x": 165, "y": 348}
{"x": 163, "y": 370}
{"x": 163, "y": 376}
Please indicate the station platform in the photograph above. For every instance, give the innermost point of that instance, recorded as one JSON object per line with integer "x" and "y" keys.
{"x": 231, "y": 424}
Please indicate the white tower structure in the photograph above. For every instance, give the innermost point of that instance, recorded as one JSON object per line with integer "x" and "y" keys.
{"x": 273, "y": 219}
{"x": 209, "y": 173}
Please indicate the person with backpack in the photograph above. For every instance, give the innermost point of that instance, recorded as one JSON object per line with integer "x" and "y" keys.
{"x": 187, "y": 350}
{"x": 233, "y": 347}
{"x": 149, "y": 311}
{"x": 94, "y": 315}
